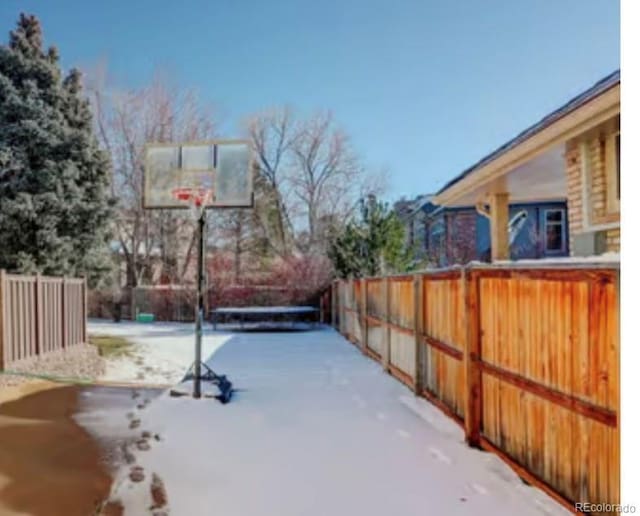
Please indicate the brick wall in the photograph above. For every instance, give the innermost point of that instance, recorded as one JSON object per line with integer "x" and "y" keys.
{"x": 461, "y": 236}
{"x": 574, "y": 189}
{"x": 597, "y": 208}
{"x": 613, "y": 240}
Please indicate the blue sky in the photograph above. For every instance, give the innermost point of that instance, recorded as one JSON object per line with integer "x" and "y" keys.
{"x": 424, "y": 88}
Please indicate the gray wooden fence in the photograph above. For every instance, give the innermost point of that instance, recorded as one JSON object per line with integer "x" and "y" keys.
{"x": 39, "y": 314}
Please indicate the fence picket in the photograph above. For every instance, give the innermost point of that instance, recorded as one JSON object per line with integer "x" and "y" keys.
{"x": 364, "y": 325}
{"x": 471, "y": 357}
{"x": 418, "y": 315}
{"x": 386, "y": 349}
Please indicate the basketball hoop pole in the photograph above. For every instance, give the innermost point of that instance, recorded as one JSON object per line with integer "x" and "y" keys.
{"x": 199, "y": 201}
{"x": 220, "y": 380}
{"x": 197, "y": 377}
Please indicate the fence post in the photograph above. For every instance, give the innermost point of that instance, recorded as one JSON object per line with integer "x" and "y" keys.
{"x": 417, "y": 331}
{"x": 472, "y": 357}
{"x": 351, "y": 290}
{"x": 364, "y": 326}
{"x": 84, "y": 309}
{"x": 425, "y": 358}
{"x": 38, "y": 313}
{"x": 3, "y": 290}
{"x": 333, "y": 304}
{"x": 63, "y": 304}
{"x": 386, "y": 344}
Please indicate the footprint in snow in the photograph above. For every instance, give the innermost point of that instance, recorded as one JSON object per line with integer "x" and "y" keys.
{"x": 402, "y": 433}
{"x": 437, "y": 454}
{"x": 479, "y": 489}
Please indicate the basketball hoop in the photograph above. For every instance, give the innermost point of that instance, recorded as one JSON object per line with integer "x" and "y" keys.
{"x": 199, "y": 176}
{"x": 197, "y": 197}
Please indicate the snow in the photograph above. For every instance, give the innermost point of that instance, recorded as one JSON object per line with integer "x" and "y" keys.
{"x": 266, "y": 310}
{"x": 316, "y": 428}
{"x": 161, "y": 354}
{"x": 605, "y": 258}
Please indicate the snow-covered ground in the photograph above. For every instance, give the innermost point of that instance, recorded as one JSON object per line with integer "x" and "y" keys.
{"x": 161, "y": 352}
{"x": 315, "y": 429}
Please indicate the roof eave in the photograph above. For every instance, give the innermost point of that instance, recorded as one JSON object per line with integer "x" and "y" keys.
{"x": 592, "y": 113}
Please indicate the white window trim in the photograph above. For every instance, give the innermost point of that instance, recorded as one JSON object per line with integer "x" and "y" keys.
{"x": 563, "y": 231}
{"x": 611, "y": 172}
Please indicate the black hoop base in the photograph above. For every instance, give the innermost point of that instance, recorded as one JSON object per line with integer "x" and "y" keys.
{"x": 219, "y": 380}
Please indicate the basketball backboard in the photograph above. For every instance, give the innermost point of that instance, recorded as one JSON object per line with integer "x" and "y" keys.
{"x": 222, "y": 166}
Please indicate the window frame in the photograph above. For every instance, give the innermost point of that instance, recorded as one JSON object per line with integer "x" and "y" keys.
{"x": 612, "y": 171}
{"x": 563, "y": 231}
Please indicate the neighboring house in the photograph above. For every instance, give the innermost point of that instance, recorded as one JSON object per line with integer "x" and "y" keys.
{"x": 572, "y": 154}
{"x": 441, "y": 236}
{"x": 414, "y": 215}
{"x": 460, "y": 235}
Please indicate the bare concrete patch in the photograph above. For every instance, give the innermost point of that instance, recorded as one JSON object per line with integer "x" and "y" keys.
{"x": 48, "y": 463}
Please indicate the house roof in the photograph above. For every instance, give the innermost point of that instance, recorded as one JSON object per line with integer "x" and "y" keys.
{"x": 408, "y": 208}
{"x": 421, "y": 204}
{"x": 583, "y": 98}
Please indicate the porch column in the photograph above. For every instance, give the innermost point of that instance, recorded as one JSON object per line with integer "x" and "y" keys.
{"x": 499, "y": 221}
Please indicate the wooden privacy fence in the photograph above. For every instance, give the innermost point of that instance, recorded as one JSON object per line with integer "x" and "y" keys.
{"x": 525, "y": 359}
{"x": 39, "y": 314}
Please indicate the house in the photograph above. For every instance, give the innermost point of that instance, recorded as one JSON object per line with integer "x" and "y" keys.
{"x": 414, "y": 215}
{"x": 442, "y": 236}
{"x": 458, "y": 235}
{"x": 572, "y": 154}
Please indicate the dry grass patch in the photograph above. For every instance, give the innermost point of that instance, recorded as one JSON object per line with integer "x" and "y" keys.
{"x": 111, "y": 346}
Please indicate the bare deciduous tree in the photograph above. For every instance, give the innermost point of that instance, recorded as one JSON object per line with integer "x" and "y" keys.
{"x": 127, "y": 120}
{"x": 272, "y": 134}
{"x": 308, "y": 179}
{"x": 327, "y": 177}
{"x": 311, "y": 178}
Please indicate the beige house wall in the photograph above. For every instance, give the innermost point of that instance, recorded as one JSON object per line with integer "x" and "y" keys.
{"x": 590, "y": 164}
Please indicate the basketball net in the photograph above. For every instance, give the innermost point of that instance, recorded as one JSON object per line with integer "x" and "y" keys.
{"x": 197, "y": 197}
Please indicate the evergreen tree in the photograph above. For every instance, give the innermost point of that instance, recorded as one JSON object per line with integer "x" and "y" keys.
{"x": 371, "y": 245}
{"x": 54, "y": 179}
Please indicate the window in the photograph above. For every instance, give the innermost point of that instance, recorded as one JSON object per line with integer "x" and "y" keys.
{"x": 516, "y": 224}
{"x": 613, "y": 172}
{"x": 554, "y": 231}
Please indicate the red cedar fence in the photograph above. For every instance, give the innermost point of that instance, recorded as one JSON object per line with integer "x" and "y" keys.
{"x": 39, "y": 314}
{"x": 525, "y": 359}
